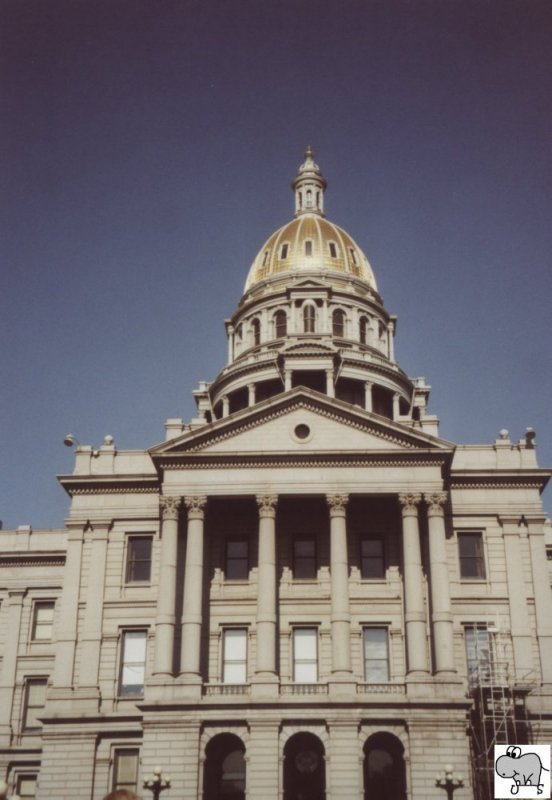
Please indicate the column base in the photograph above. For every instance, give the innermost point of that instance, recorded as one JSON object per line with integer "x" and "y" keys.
{"x": 188, "y": 686}
{"x": 342, "y": 685}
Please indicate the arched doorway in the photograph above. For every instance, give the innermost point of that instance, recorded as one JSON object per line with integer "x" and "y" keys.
{"x": 384, "y": 768}
{"x": 304, "y": 768}
{"x": 224, "y": 770}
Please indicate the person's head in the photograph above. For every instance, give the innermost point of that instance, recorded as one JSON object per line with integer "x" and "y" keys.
{"x": 121, "y": 794}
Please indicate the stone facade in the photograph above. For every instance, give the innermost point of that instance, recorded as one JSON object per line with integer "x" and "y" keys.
{"x": 303, "y": 592}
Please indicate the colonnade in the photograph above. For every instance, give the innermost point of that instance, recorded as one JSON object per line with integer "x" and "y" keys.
{"x": 266, "y": 616}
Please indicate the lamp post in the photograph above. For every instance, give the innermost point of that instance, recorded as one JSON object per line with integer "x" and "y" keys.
{"x": 157, "y": 783}
{"x": 449, "y": 783}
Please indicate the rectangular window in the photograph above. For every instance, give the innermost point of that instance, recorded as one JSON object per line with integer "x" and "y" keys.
{"x": 308, "y": 248}
{"x": 237, "y": 559}
{"x": 333, "y": 250}
{"x": 43, "y": 621}
{"x": 133, "y": 663}
{"x": 372, "y": 561}
{"x": 234, "y": 656}
{"x": 305, "y": 655}
{"x": 138, "y": 565}
{"x": 470, "y": 550}
{"x": 304, "y": 559}
{"x": 284, "y": 251}
{"x": 35, "y": 700}
{"x": 479, "y": 652}
{"x": 376, "y": 655}
{"x": 25, "y": 786}
{"x": 125, "y": 769}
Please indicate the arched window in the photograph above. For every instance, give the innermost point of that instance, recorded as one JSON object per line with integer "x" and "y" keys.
{"x": 280, "y": 324}
{"x": 304, "y": 768}
{"x": 384, "y": 768}
{"x": 309, "y": 198}
{"x": 224, "y": 770}
{"x": 256, "y": 328}
{"x": 309, "y": 318}
{"x": 338, "y": 322}
{"x": 363, "y": 330}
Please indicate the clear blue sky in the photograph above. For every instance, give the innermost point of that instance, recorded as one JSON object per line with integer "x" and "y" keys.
{"x": 147, "y": 149}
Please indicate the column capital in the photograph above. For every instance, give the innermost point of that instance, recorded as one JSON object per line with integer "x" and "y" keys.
{"x": 267, "y": 504}
{"x": 196, "y": 505}
{"x": 409, "y": 502}
{"x": 435, "y": 502}
{"x": 169, "y": 506}
{"x": 337, "y": 504}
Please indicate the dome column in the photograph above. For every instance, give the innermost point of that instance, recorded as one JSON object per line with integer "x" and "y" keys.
{"x": 330, "y": 388}
{"x": 251, "y": 394}
{"x": 368, "y": 395}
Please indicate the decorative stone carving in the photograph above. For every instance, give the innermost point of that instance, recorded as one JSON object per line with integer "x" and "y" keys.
{"x": 337, "y": 503}
{"x": 435, "y": 502}
{"x": 409, "y": 502}
{"x": 267, "y": 504}
{"x": 196, "y": 505}
{"x": 170, "y": 506}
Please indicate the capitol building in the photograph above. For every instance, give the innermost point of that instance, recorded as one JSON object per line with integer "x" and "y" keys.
{"x": 302, "y": 593}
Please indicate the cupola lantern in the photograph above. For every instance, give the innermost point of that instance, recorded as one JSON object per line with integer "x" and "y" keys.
{"x": 309, "y": 185}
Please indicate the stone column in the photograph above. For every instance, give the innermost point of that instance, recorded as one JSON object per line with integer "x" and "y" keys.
{"x": 225, "y": 405}
{"x": 9, "y": 663}
{"x": 522, "y": 640}
{"x": 414, "y": 611}
{"x": 93, "y": 614}
{"x": 266, "y": 592}
{"x": 166, "y": 598}
{"x": 339, "y": 573}
{"x": 230, "y": 332}
{"x": 368, "y": 395}
{"x": 390, "y": 340}
{"x": 193, "y": 591}
{"x": 330, "y": 389}
{"x": 441, "y": 615}
{"x": 541, "y": 587}
{"x": 250, "y": 394}
{"x": 396, "y": 405}
{"x": 66, "y": 638}
{"x": 287, "y": 380}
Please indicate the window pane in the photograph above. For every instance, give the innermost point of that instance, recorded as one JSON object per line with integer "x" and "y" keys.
{"x": 304, "y": 557}
{"x": 133, "y": 663}
{"x": 372, "y": 560}
{"x": 305, "y": 655}
{"x": 470, "y": 546}
{"x": 43, "y": 621}
{"x": 234, "y": 673}
{"x": 235, "y": 644}
{"x": 139, "y": 558}
{"x": 305, "y": 673}
{"x": 237, "y": 560}
{"x": 126, "y": 769}
{"x": 235, "y": 656}
{"x": 135, "y": 646}
{"x": 305, "y": 643}
{"x": 35, "y": 700}
{"x": 376, "y": 655}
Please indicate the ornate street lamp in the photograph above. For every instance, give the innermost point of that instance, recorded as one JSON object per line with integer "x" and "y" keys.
{"x": 157, "y": 783}
{"x": 449, "y": 783}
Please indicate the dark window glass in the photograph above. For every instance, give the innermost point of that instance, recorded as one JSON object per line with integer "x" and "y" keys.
{"x": 372, "y": 562}
{"x": 125, "y": 772}
{"x": 237, "y": 559}
{"x": 333, "y": 250}
{"x": 35, "y": 700}
{"x": 338, "y": 323}
{"x": 309, "y": 317}
{"x": 284, "y": 251}
{"x": 308, "y": 248}
{"x": 256, "y": 328}
{"x": 363, "y": 329}
{"x": 139, "y": 558}
{"x": 353, "y": 255}
{"x": 470, "y": 549}
{"x": 304, "y": 559}
{"x": 280, "y": 323}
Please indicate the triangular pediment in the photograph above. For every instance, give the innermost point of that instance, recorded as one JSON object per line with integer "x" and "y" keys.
{"x": 301, "y": 422}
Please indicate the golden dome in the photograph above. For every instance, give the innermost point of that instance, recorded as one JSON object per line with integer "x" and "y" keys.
{"x": 308, "y": 244}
